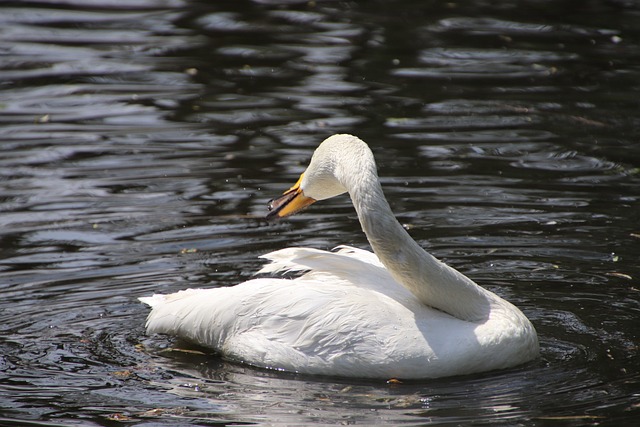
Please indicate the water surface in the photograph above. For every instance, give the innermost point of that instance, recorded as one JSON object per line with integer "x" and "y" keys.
{"x": 140, "y": 142}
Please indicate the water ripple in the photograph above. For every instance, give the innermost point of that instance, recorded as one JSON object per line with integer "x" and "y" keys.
{"x": 451, "y": 63}
{"x": 142, "y": 141}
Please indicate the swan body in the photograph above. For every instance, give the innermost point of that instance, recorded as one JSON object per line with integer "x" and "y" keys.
{"x": 395, "y": 313}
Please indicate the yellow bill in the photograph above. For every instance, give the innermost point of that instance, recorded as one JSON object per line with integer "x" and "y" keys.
{"x": 292, "y": 201}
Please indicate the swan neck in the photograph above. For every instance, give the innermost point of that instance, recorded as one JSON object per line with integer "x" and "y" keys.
{"x": 434, "y": 283}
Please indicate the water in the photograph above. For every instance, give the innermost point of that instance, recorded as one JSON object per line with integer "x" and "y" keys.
{"x": 141, "y": 140}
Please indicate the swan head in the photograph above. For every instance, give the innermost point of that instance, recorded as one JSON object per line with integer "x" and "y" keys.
{"x": 334, "y": 166}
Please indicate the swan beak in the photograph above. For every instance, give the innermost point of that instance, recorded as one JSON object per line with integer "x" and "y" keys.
{"x": 292, "y": 201}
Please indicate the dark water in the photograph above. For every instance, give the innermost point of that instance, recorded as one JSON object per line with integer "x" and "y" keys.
{"x": 141, "y": 140}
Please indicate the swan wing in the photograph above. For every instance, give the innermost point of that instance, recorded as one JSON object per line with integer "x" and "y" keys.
{"x": 351, "y": 266}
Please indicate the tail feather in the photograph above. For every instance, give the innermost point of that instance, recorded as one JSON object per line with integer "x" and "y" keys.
{"x": 154, "y": 300}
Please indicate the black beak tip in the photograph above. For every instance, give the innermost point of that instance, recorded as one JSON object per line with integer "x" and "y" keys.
{"x": 273, "y": 211}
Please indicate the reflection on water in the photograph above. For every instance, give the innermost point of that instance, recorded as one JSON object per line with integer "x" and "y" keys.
{"x": 141, "y": 142}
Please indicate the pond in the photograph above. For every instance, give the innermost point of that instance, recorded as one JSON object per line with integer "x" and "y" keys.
{"x": 141, "y": 141}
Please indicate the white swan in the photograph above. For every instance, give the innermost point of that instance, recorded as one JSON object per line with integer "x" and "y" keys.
{"x": 398, "y": 313}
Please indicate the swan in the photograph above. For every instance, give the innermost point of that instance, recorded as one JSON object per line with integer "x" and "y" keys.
{"x": 396, "y": 313}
